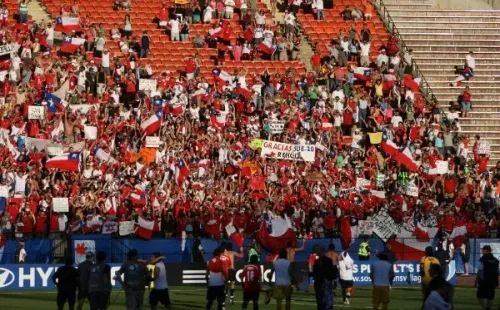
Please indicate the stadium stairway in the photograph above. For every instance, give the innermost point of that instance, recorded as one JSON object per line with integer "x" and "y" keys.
{"x": 440, "y": 40}
{"x": 38, "y": 12}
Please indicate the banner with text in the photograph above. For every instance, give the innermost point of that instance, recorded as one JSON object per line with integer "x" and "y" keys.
{"x": 278, "y": 150}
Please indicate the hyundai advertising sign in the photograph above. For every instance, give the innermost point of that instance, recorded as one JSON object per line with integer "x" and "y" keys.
{"x": 37, "y": 277}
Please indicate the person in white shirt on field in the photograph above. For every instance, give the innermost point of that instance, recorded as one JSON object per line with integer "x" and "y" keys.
{"x": 346, "y": 265}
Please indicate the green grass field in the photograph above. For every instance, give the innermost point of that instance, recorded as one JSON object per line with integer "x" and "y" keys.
{"x": 193, "y": 297}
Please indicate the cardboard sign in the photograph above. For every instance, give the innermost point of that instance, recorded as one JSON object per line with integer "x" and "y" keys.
{"x": 90, "y": 132}
{"x": 442, "y": 166}
{"x": 278, "y": 150}
{"x": 375, "y": 137}
{"x": 60, "y": 204}
{"x": 230, "y": 229}
{"x": 153, "y": 141}
{"x": 55, "y": 149}
{"x": 256, "y": 144}
{"x": 36, "y": 112}
{"x": 147, "y": 84}
{"x": 411, "y": 190}
{"x": 484, "y": 148}
{"x": 383, "y": 225}
{"x": 7, "y": 49}
{"x": 277, "y": 127}
{"x": 126, "y": 228}
{"x": 4, "y": 191}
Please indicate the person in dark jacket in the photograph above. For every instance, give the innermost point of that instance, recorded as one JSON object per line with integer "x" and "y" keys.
{"x": 487, "y": 278}
{"x": 323, "y": 273}
{"x": 66, "y": 280}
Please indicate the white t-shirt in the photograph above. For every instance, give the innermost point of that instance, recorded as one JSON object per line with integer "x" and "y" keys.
{"x": 471, "y": 62}
{"x": 20, "y": 184}
{"x": 50, "y": 33}
{"x": 365, "y": 49}
{"x": 290, "y": 19}
{"x": 174, "y": 25}
{"x": 105, "y": 60}
{"x": 345, "y": 267}
{"x": 260, "y": 19}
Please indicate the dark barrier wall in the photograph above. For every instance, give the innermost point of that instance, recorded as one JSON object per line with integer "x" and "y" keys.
{"x": 37, "y": 277}
{"x": 39, "y": 251}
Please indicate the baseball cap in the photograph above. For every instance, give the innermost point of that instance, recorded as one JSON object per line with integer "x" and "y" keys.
{"x": 486, "y": 248}
{"x": 89, "y": 255}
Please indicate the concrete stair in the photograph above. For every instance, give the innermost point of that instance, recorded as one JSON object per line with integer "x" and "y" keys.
{"x": 440, "y": 40}
{"x": 38, "y": 12}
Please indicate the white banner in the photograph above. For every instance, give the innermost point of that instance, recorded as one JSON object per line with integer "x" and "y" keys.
{"x": 103, "y": 156}
{"x": 383, "y": 225}
{"x": 278, "y": 150}
{"x": 484, "y": 148}
{"x": 4, "y": 191}
{"x": 83, "y": 108}
{"x": 35, "y": 112}
{"x": 152, "y": 141}
{"x": 55, "y": 149}
{"x": 109, "y": 228}
{"x": 60, "y": 204}
{"x": 75, "y": 147}
{"x": 7, "y": 49}
{"x": 40, "y": 144}
{"x": 147, "y": 84}
{"x": 362, "y": 183}
{"x": 126, "y": 228}
{"x": 411, "y": 190}
{"x": 90, "y": 132}
{"x": 442, "y": 166}
{"x": 277, "y": 127}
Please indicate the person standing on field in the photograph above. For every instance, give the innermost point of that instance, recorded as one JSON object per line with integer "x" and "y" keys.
{"x": 83, "y": 282}
{"x": 136, "y": 276}
{"x": 251, "y": 281}
{"x": 346, "y": 265}
{"x": 66, "y": 280}
{"x": 99, "y": 283}
{"x": 159, "y": 293}
{"x": 425, "y": 270}
{"x": 382, "y": 274}
{"x": 487, "y": 278}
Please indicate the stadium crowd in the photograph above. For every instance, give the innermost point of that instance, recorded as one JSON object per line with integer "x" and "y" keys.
{"x": 376, "y": 141}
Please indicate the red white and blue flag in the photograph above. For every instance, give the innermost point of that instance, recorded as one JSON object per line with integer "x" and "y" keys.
{"x": 71, "y": 45}
{"x": 144, "y": 228}
{"x": 68, "y": 24}
{"x": 152, "y": 124}
{"x": 138, "y": 196}
{"x": 181, "y": 172}
{"x": 70, "y": 161}
{"x": 276, "y": 233}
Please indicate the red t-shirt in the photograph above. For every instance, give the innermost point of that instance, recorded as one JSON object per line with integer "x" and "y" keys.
{"x": 316, "y": 60}
{"x": 251, "y": 277}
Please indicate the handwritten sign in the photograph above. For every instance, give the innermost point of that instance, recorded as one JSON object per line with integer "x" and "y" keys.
{"x": 411, "y": 190}
{"x": 442, "y": 166}
{"x": 152, "y": 141}
{"x": 60, "y": 204}
{"x": 4, "y": 191}
{"x": 383, "y": 225}
{"x": 277, "y": 126}
{"x": 484, "y": 148}
{"x": 126, "y": 228}
{"x": 90, "y": 132}
{"x": 109, "y": 228}
{"x": 36, "y": 112}
{"x": 147, "y": 84}
{"x": 278, "y": 150}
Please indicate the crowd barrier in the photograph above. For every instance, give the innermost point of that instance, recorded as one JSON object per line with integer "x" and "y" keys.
{"x": 39, "y": 251}
{"x": 39, "y": 276}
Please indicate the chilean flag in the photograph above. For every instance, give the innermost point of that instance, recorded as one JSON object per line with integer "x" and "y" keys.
{"x": 458, "y": 235}
{"x": 222, "y": 76}
{"x": 152, "y": 124}
{"x": 406, "y": 158}
{"x": 71, "y": 45}
{"x": 144, "y": 228}
{"x": 138, "y": 196}
{"x": 69, "y": 162}
{"x": 326, "y": 126}
{"x": 390, "y": 148}
{"x": 68, "y": 24}
{"x": 181, "y": 172}
{"x": 264, "y": 48}
{"x": 411, "y": 245}
{"x": 275, "y": 234}
{"x": 53, "y": 103}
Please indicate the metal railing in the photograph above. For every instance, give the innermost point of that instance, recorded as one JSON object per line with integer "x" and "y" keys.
{"x": 390, "y": 25}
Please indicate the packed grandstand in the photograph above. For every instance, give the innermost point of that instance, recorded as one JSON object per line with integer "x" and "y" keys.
{"x": 205, "y": 119}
